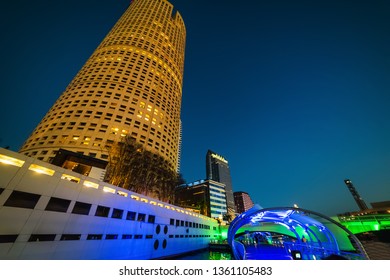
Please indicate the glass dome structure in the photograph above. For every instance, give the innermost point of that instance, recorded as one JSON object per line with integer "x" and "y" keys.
{"x": 291, "y": 233}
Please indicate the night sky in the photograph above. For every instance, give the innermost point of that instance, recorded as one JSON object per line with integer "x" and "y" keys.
{"x": 294, "y": 94}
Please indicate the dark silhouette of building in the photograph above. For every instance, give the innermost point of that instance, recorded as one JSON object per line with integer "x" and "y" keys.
{"x": 380, "y": 205}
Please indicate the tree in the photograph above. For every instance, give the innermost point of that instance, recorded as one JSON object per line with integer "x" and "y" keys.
{"x": 228, "y": 217}
{"x": 202, "y": 206}
{"x": 136, "y": 169}
{"x": 124, "y": 162}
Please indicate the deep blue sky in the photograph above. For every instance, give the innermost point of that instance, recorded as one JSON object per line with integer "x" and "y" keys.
{"x": 294, "y": 94}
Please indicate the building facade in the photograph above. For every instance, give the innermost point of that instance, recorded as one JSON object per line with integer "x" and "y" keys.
{"x": 217, "y": 169}
{"x": 218, "y": 205}
{"x": 243, "y": 202}
{"x": 131, "y": 85}
{"x": 207, "y": 197}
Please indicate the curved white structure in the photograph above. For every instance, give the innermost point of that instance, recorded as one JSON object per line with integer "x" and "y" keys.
{"x": 47, "y": 212}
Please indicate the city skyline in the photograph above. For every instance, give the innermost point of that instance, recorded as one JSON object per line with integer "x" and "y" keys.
{"x": 294, "y": 95}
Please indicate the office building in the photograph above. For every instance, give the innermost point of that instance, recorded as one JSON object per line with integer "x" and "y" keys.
{"x": 243, "y": 202}
{"x": 217, "y": 169}
{"x": 204, "y": 196}
{"x": 130, "y": 86}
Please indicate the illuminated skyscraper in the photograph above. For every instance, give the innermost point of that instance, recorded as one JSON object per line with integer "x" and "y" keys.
{"x": 217, "y": 169}
{"x": 131, "y": 85}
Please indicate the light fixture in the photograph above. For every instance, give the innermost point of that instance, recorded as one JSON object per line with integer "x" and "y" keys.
{"x": 11, "y": 161}
{"x": 89, "y": 184}
{"x": 42, "y": 170}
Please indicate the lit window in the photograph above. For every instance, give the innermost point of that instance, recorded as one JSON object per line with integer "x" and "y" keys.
{"x": 89, "y": 184}
{"x": 41, "y": 169}
{"x": 122, "y": 193}
{"x": 110, "y": 190}
{"x": 70, "y": 178}
{"x": 11, "y": 161}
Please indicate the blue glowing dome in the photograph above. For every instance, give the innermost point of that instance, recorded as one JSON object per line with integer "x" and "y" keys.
{"x": 291, "y": 233}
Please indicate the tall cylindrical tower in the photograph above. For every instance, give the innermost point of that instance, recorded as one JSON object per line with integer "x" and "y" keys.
{"x": 131, "y": 85}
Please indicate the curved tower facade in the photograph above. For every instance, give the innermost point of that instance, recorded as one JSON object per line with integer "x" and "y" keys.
{"x": 131, "y": 85}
